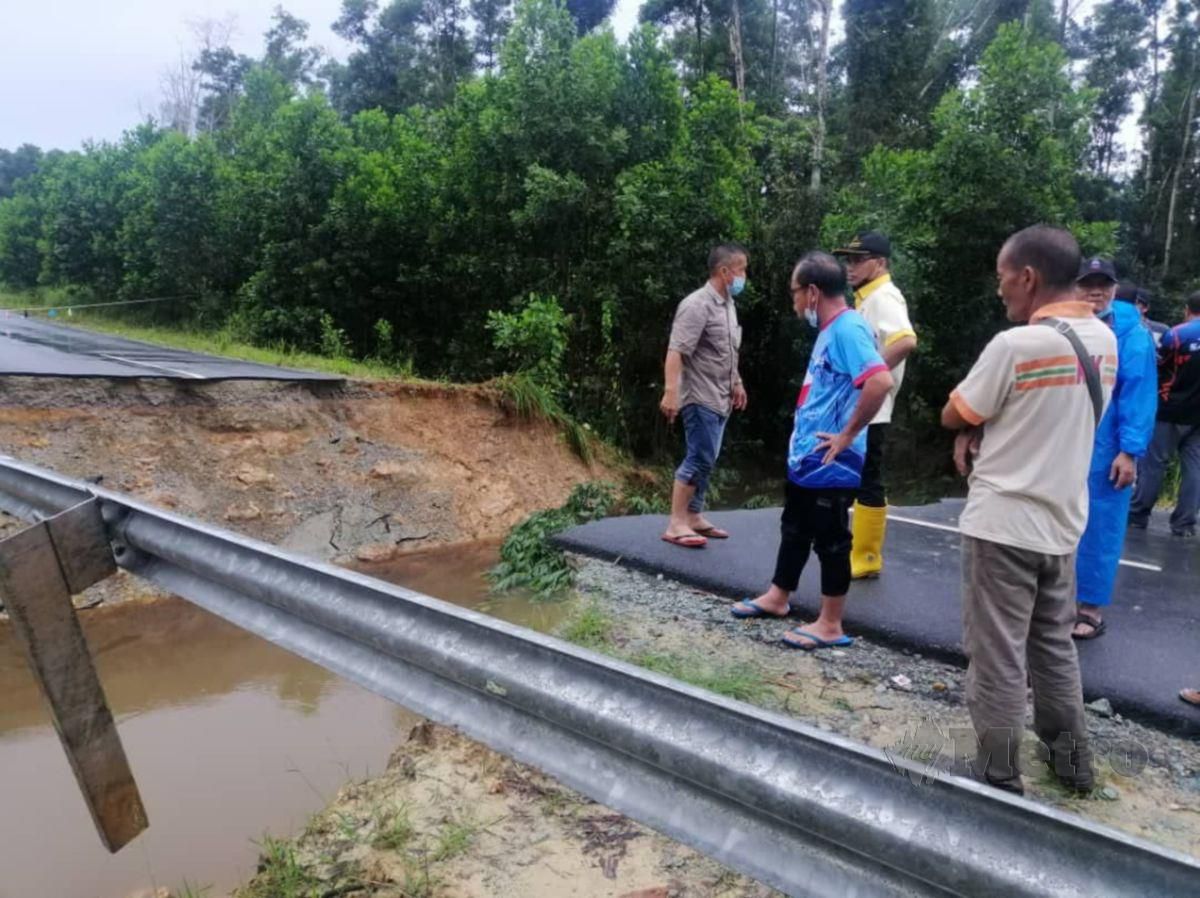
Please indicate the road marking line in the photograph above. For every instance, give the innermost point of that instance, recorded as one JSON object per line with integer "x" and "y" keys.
{"x": 1140, "y": 565}
{"x": 179, "y": 371}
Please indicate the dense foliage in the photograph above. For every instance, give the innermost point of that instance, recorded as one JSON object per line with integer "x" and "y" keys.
{"x": 479, "y": 189}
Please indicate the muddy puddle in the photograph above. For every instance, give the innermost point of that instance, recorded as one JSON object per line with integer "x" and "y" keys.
{"x": 229, "y": 737}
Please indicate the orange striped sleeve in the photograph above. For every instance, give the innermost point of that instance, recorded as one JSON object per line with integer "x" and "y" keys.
{"x": 968, "y": 414}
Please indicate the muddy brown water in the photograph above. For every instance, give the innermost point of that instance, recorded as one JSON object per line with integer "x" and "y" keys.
{"x": 229, "y": 738}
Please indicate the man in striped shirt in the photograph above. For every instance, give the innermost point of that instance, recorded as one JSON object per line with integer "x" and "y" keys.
{"x": 1027, "y": 404}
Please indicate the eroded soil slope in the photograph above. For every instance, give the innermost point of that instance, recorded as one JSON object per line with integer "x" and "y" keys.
{"x": 364, "y": 470}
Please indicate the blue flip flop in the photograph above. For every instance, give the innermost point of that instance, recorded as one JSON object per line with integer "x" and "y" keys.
{"x": 754, "y": 611}
{"x": 817, "y": 642}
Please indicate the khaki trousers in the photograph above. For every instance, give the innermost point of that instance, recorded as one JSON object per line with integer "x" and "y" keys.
{"x": 1018, "y": 612}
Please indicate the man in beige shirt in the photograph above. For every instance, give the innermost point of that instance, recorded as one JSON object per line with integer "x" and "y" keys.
{"x": 1026, "y": 413}
{"x": 702, "y": 385}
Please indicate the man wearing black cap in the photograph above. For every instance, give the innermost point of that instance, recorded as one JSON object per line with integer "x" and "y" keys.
{"x": 881, "y": 304}
{"x": 1122, "y": 438}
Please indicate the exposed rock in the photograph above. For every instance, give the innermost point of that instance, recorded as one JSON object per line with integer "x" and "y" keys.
{"x": 242, "y": 513}
{"x": 312, "y": 536}
{"x": 901, "y": 682}
{"x": 1101, "y": 707}
{"x": 252, "y": 475}
{"x": 388, "y": 469}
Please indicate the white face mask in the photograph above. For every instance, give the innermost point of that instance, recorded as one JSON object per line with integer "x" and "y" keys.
{"x": 810, "y": 315}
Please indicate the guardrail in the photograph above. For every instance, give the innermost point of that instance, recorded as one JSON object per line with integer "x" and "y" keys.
{"x": 805, "y": 811}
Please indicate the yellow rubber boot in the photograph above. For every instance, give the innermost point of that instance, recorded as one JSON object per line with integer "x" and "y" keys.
{"x": 866, "y": 555}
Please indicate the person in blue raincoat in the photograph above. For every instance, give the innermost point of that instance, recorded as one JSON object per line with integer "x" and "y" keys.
{"x": 1121, "y": 439}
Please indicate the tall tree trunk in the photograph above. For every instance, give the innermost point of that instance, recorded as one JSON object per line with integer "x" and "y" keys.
{"x": 1189, "y": 123}
{"x": 822, "y": 90}
{"x": 699, "y": 39}
{"x": 774, "y": 48}
{"x": 1063, "y": 17}
{"x": 735, "y": 47}
{"x": 1151, "y": 100}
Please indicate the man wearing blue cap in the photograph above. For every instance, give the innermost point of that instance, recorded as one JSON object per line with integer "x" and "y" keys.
{"x": 1121, "y": 439}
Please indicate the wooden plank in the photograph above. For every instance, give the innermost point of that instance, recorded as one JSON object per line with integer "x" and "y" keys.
{"x": 35, "y": 593}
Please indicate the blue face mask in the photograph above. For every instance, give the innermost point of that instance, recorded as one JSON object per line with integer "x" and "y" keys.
{"x": 738, "y": 285}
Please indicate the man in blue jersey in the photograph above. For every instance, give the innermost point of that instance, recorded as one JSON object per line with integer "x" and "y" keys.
{"x": 1177, "y": 430}
{"x": 844, "y": 387}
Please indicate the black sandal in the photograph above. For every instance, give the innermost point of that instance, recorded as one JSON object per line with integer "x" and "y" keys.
{"x": 1096, "y": 623}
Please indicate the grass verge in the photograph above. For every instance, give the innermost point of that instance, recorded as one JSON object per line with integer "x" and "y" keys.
{"x": 734, "y": 680}
{"x": 591, "y": 627}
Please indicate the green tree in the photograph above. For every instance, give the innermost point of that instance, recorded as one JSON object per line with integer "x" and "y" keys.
{"x": 286, "y": 53}
{"x": 17, "y": 164}
{"x": 80, "y": 204}
{"x": 746, "y": 42}
{"x": 222, "y": 72}
{"x": 1114, "y": 39}
{"x": 450, "y": 50}
{"x": 1165, "y": 234}
{"x": 589, "y": 13}
{"x": 492, "y": 18}
{"x": 409, "y": 52}
{"x": 20, "y": 233}
{"x": 170, "y": 234}
{"x": 888, "y": 46}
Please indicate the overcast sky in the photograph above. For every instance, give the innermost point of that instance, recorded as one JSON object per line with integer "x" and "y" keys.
{"x": 73, "y": 70}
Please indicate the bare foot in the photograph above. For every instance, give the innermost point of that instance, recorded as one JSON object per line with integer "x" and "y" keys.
{"x": 1191, "y": 696}
{"x": 823, "y": 630}
{"x": 677, "y": 528}
{"x": 773, "y": 601}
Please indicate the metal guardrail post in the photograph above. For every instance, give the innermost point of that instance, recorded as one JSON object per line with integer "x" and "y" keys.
{"x": 810, "y": 813}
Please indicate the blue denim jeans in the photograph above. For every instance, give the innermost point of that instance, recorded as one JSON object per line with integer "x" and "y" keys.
{"x": 703, "y": 429}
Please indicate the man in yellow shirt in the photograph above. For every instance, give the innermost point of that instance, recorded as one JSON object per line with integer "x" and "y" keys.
{"x": 880, "y": 302}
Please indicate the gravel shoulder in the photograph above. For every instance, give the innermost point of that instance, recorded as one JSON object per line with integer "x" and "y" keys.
{"x": 895, "y": 701}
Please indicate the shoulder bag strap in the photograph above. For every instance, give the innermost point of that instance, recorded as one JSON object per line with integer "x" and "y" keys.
{"x": 1090, "y": 372}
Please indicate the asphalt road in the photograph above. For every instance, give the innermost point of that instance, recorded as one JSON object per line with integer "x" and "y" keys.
{"x": 1149, "y": 652}
{"x": 33, "y": 347}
